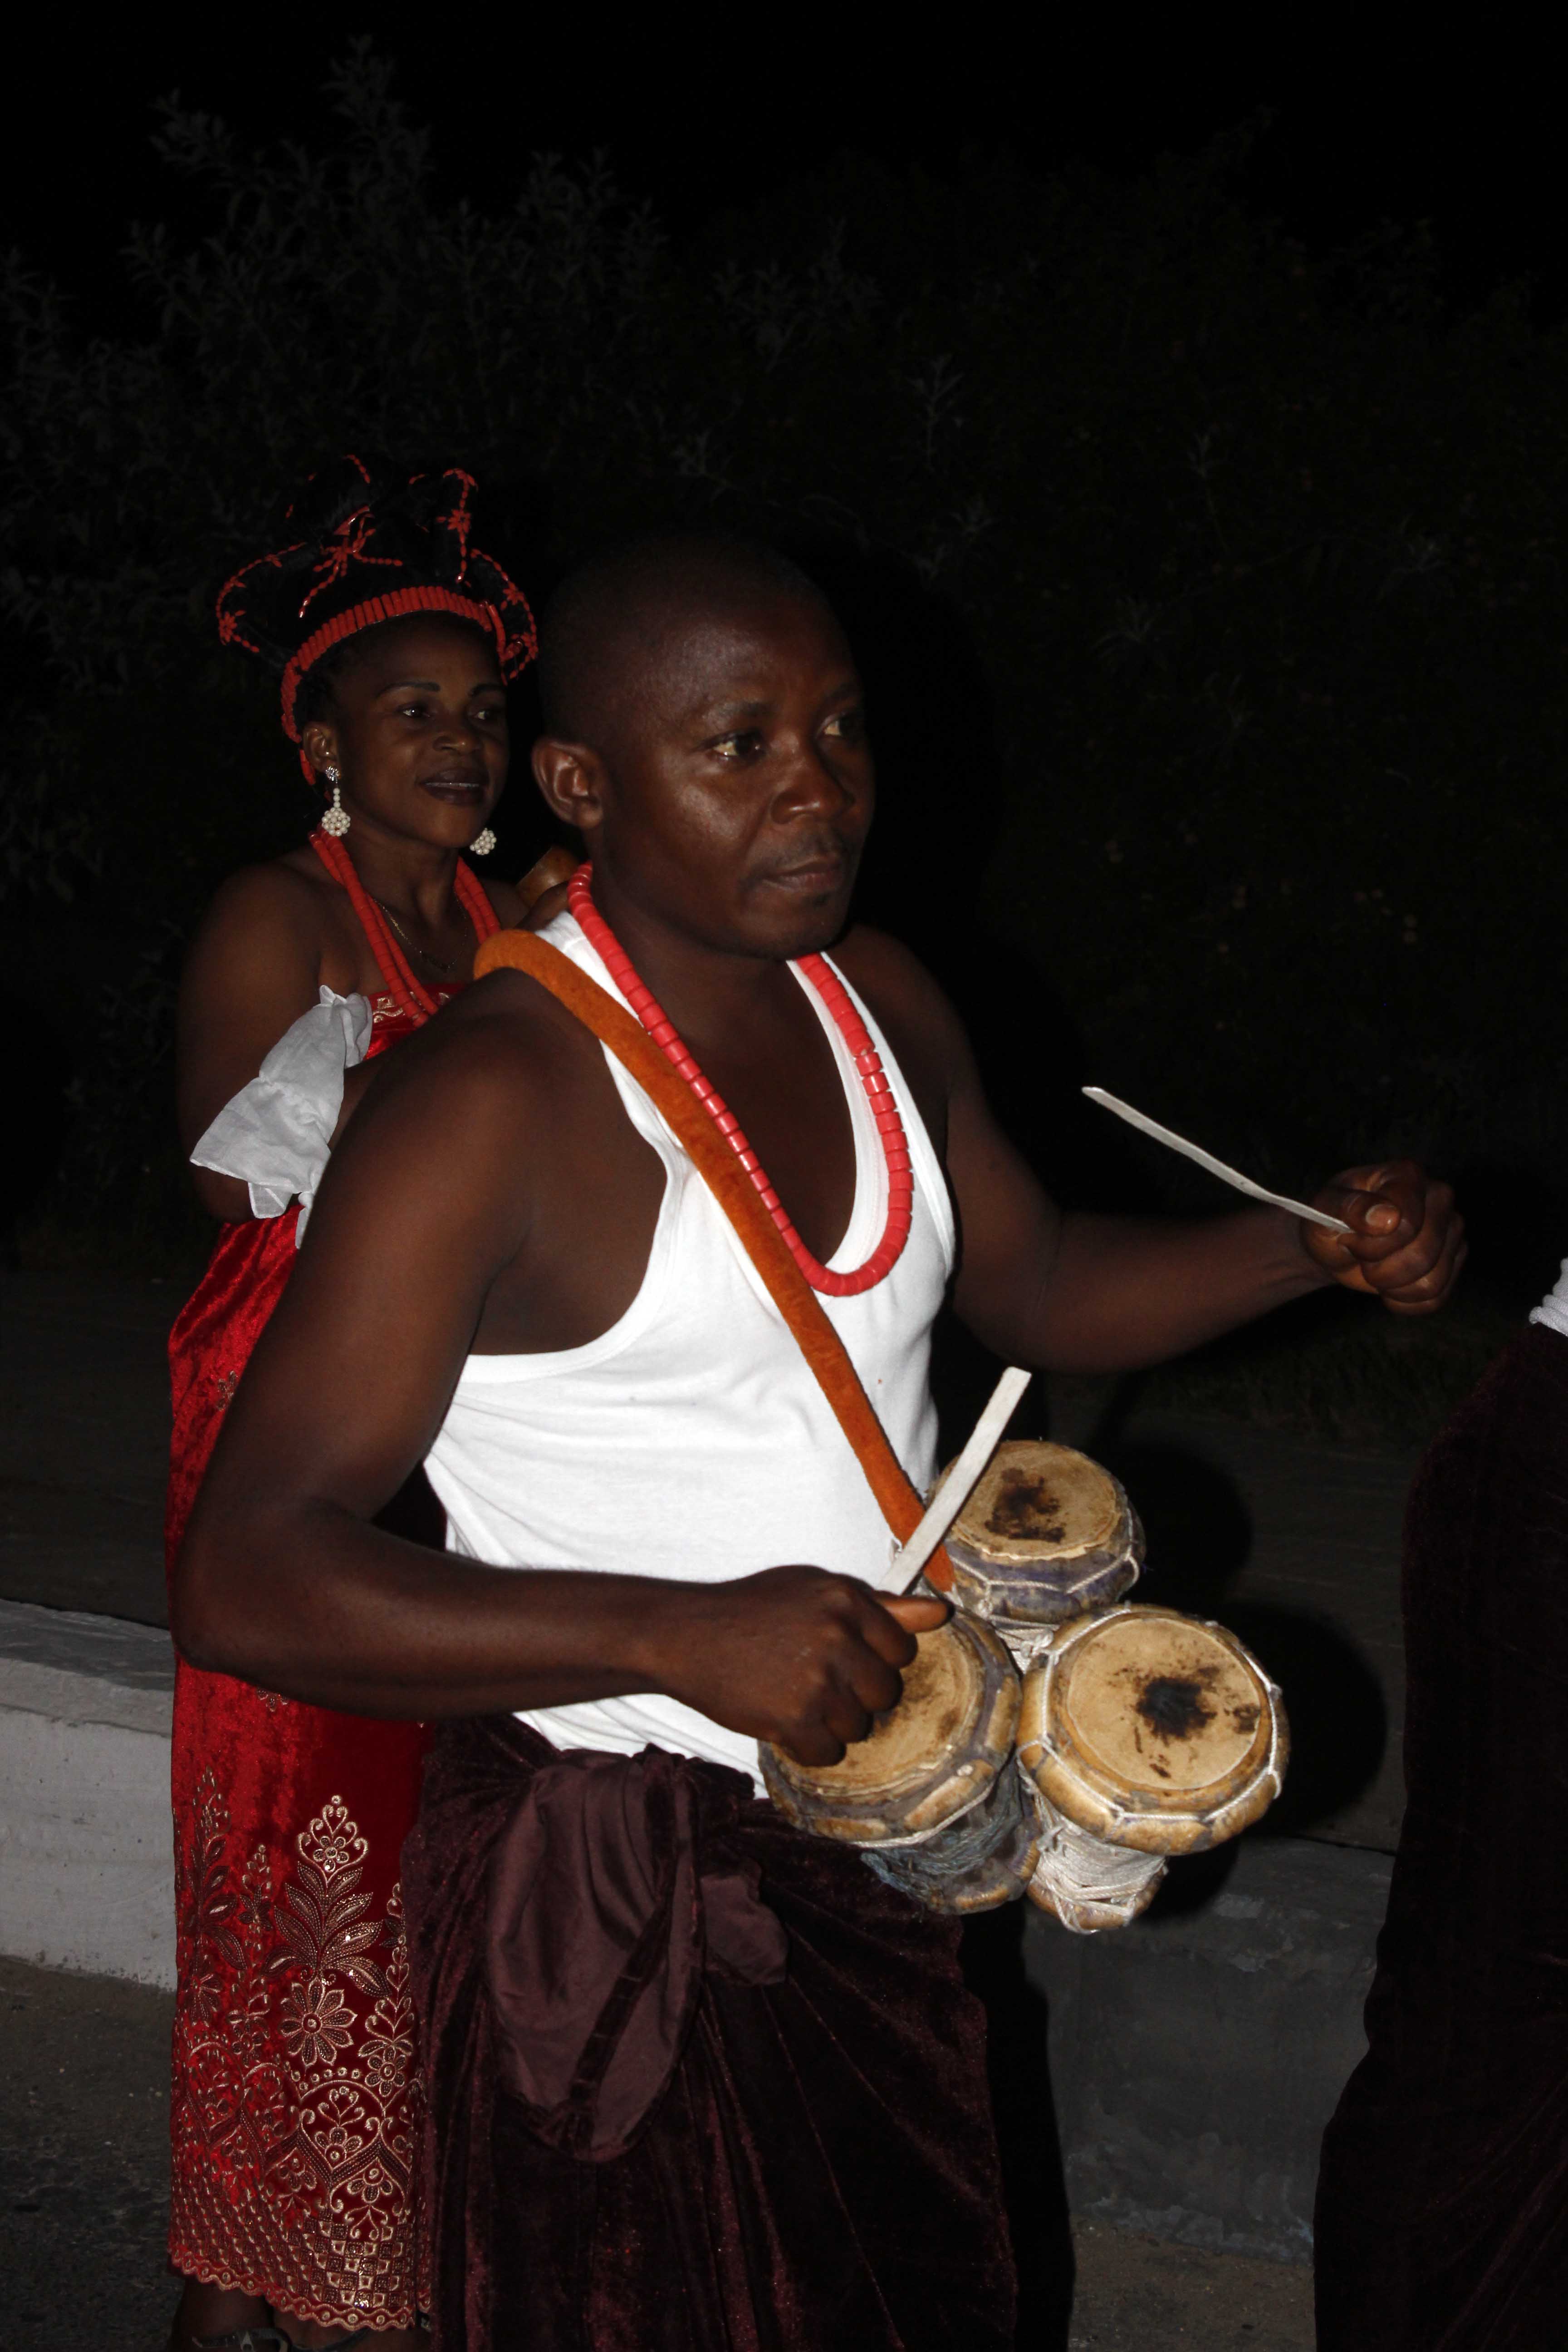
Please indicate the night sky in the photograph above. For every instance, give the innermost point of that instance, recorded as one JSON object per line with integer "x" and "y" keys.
{"x": 704, "y": 120}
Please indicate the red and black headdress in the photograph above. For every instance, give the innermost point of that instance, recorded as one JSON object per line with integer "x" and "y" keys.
{"x": 368, "y": 548}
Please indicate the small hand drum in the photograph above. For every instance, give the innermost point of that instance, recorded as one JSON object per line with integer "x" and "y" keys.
{"x": 1045, "y": 1534}
{"x": 931, "y": 1794}
{"x": 1143, "y": 1734}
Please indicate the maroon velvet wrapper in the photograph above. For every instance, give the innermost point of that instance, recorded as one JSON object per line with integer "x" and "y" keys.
{"x": 818, "y": 2171}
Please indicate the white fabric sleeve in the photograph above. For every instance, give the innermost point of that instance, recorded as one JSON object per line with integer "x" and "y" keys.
{"x": 277, "y": 1132}
{"x": 1553, "y": 1308}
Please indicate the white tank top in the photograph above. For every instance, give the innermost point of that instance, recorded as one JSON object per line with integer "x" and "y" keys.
{"x": 691, "y": 1440}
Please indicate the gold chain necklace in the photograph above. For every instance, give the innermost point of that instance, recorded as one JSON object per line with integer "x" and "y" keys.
{"x": 445, "y": 965}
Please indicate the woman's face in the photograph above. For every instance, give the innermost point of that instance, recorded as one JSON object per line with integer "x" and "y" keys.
{"x": 417, "y": 731}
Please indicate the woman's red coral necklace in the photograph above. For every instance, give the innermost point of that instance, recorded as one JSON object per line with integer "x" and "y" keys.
{"x": 867, "y": 1064}
{"x": 410, "y": 992}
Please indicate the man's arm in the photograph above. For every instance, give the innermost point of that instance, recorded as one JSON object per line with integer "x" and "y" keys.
{"x": 282, "y": 1578}
{"x": 1076, "y": 1292}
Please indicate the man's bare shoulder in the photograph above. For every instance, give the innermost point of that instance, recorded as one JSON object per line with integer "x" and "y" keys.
{"x": 467, "y": 1128}
{"x": 874, "y": 960}
{"x": 919, "y": 1020}
{"x": 504, "y": 1046}
{"x": 509, "y": 908}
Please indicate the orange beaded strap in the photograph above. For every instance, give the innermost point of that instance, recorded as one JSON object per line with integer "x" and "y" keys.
{"x": 732, "y": 1187}
{"x": 396, "y": 968}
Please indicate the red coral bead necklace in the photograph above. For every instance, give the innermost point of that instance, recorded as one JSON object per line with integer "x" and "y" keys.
{"x": 868, "y": 1067}
{"x": 402, "y": 984}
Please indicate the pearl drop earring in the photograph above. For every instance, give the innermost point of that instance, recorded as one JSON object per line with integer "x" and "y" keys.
{"x": 337, "y": 819}
{"x": 481, "y": 845}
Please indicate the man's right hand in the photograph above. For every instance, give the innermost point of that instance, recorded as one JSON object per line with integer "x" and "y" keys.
{"x": 793, "y": 1655}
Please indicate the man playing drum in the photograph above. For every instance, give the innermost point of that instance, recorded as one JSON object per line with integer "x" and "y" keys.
{"x": 696, "y": 2077}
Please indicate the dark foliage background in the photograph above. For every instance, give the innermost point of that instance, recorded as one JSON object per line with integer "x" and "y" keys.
{"x": 1209, "y": 593}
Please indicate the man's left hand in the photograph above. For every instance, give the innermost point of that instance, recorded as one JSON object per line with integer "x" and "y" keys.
{"x": 1406, "y": 1241}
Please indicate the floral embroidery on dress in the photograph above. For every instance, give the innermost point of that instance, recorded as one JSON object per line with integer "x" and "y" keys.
{"x": 293, "y": 2148}
{"x": 296, "y": 2097}
{"x": 385, "y": 1010}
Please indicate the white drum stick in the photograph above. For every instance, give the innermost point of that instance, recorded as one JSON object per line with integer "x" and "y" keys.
{"x": 964, "y": 1476}
{"x": 1215, "y": 1167}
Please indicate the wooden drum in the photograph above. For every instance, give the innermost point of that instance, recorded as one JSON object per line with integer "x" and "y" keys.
{"x": 1046, "y": 1534}
{"x": 931, "y": 1794}
{"x": 1143, "y": 1734}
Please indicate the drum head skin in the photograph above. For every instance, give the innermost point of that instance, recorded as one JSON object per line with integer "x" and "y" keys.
{"x": 927, "y": 1759}
{"x": 1036, "y": 1499}
{"x": 1153, "y": 1731}
{"x": 1045, "y": 1534}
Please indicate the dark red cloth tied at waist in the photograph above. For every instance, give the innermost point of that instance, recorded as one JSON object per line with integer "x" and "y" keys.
{"x": 696, "y": 2081}
{"x": 601, "y": 1921}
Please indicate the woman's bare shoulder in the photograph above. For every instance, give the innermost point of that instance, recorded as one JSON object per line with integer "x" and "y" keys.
{"x": 269, "y": 924}
{"x": 282, "y": 895}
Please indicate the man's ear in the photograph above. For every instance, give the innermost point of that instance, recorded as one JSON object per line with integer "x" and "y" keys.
{"x": 319, "y": 741}
{"x": 571, "y": 779}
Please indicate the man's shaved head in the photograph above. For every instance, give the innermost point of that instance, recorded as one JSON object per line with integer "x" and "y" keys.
{"x": 611, "y": 622}
{"x": 705, "y": 733}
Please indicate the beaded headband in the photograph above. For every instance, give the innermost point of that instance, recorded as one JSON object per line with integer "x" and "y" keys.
{"x": 352, "y": 528}
{"x": 390, "y": 607}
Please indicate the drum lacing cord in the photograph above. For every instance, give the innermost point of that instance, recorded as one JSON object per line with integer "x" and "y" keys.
{"x": 1082, "y": 1868}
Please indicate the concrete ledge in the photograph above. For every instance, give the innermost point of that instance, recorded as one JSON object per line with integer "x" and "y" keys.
{"x": 86, "y": 1850}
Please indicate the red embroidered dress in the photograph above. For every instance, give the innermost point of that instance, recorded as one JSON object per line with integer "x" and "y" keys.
{"x": 295, "y": 2088}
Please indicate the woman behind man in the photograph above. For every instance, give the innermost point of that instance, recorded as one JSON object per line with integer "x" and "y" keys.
{"x": 294, "y": 2083}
